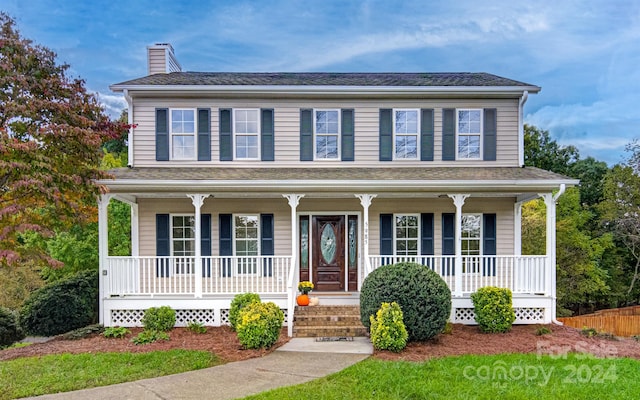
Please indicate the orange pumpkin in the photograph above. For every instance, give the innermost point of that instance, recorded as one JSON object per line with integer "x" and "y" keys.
{"x": 302, "y": 300}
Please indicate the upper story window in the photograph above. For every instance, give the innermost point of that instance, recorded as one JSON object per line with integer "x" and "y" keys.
{"x": 183, "y": 132}
{"x": 246, "y": 130}
{"x": 469, "y": 134}
{"x": 406, "y": 234}
{"x": 327, "y": 134}
{"x": 405, "y": 131}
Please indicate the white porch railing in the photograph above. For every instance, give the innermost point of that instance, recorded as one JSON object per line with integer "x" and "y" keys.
{"x": 149, "y": 276}
{"x": 521, "y": 274}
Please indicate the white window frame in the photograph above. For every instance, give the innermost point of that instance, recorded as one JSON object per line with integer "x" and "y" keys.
{"x": 237, "y": 134}
{"x": 182, "y": 266}
{"x": 397, "y": 134}
{"x": 317, "y": 134}
{"x": 467, "y": 134}
{"x": 240, "y": 268}
{"x": 475, "y": 268}
{"x": 193, "y": 134}
{"x": 395, "y": 234}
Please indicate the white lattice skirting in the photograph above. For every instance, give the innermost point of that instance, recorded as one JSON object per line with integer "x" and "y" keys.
{"x": 524, "y": 315}
{"x": 183, "y": 317}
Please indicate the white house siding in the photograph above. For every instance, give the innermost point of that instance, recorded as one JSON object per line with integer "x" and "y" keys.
{"x": 502, "y": 207}
{"x": 157, "y": 60}
{"x": 287, "y": 130}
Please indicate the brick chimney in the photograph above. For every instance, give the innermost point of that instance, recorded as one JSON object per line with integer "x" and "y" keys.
{"x": 161, "y": 59}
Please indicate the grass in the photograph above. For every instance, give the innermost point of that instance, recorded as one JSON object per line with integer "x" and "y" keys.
{"x": 507, "y": 376}
{"x": 33, "y": 376}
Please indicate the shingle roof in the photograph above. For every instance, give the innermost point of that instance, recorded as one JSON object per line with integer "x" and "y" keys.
{"x": 347, "y": 174}
{"x": 447, "y": 79}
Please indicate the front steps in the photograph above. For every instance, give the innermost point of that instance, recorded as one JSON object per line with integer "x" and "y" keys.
{"x": 328, "y": 322}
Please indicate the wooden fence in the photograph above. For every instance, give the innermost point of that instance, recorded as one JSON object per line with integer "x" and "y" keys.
{"x": 619, "y": 325}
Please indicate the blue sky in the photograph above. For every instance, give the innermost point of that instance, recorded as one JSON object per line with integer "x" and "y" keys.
{"x": 584, "y": 54}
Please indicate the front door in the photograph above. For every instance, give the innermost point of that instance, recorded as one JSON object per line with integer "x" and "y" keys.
{"x": 328, "y": 252}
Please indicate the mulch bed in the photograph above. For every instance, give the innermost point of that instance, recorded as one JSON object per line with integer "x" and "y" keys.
{"x": 223, "y": 342}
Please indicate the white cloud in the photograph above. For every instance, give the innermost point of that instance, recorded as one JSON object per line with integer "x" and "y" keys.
{"x": 113, "y": 104}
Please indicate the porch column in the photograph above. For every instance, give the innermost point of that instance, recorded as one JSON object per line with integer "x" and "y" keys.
{"x": 198, "y": 200}
{"x": 135, "y": 230}
{"x": 294, "y": 200}
{"x": 458, "y": 201}
{"x": 517, "y": 229}
{"x": 103, "y": 248}
{"x": 365, "y": 201}
{"x": 550, "y": 204}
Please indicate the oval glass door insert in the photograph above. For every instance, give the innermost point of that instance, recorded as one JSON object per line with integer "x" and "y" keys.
{"x": 328, "y": 243}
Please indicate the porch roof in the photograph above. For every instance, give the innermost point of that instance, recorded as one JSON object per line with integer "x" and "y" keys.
{"x": 335, "y": 179}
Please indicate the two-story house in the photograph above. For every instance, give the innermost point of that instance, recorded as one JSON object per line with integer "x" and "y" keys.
{"x": 252, "y": 182}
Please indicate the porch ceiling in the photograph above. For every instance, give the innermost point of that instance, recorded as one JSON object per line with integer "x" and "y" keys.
{"x": 334, "y": 182}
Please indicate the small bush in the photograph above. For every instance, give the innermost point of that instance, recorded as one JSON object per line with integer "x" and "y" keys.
{"x": 542, "y": 330}
{"x": 493, "y": 309}
{"x": 425, "y": 299}
{"x": 238, "y": 303}
{"x": 448, "y": 328}
{"x": 196, "y": 327}
{"x": 116, "y": 332}
{"x": 636, "y": 338}
{"x": 83, "y": 332}
{"x": 259, "y": 325}
{"x": 387, "y": 329}
{"x": 149, "y": 336}
{"x": 10, "y": 330}
{"x": 62, "y": 306}
{"x": 588, "y": 332}
{"x": 160, "y": 319}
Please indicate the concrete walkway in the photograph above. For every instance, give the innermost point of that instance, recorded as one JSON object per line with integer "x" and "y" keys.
{"x": 299, "y": 361}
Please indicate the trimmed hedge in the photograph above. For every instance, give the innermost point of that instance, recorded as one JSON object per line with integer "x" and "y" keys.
{"x": 238, "y": 303}
{"x": 62, "y": 306}
{"x": 259, "y": 325}
{"x": 493, "y": 309}
{"x": 387, "y": 329}
{"x": 10, "y": 330}
{"x": 425, "y": 299}
{"x": 161, "y": 319}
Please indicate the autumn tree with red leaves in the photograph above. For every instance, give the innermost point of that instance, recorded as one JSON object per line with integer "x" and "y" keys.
{"x": 51, "y": 132}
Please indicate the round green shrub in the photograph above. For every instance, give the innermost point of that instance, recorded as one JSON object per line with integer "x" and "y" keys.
{"x": 62, "y": 306}
{"x": 425, "y": 299}
{"x": 387, "y": 329}
{"x": 238, "y": 303}
{"x": 259, "y": 325}
{"x": 10, "y": 330}
{"x": 160, "y": 319}
{"x": 493, "y": 309}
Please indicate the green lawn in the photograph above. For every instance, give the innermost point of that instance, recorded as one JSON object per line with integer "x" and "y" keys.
{"x": 34, "y": 376}
{"x": 508, "y": 376}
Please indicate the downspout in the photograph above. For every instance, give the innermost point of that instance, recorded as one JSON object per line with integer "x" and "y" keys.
{"x": 523, "y": 99}
{"x": 130, "y": 123}
{"x": 554, "y": 296}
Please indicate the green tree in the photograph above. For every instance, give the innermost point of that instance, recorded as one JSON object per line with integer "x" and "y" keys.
{"x": 543, "y": 152}
{"x": 51, "y": 130}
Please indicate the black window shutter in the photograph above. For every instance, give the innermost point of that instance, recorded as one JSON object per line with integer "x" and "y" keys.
{"x": 386, "y": 134}
{"x": 226, "y": 242}
{"x": 266, "y": 243}
{"x": 306, "y": 134}
{"x": 426, "y": 135}
{"x": 489, "y": 232}
{"x": 226, "y": 135}
{"x": 205, "y": 243}
{"x": 448, "y": 134}
{"x": 386, "y": 234}
{"x": 448, "y": 241}
{"x": 267, "y": 132}
{"x": 163, "y": 245}
{"x": 162, "y": 134}
{"x": 348, "y": 132}
{"x": 204, "y": 134}
{"x": 490, "y": 133}
{"x": 426, "y": 234}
